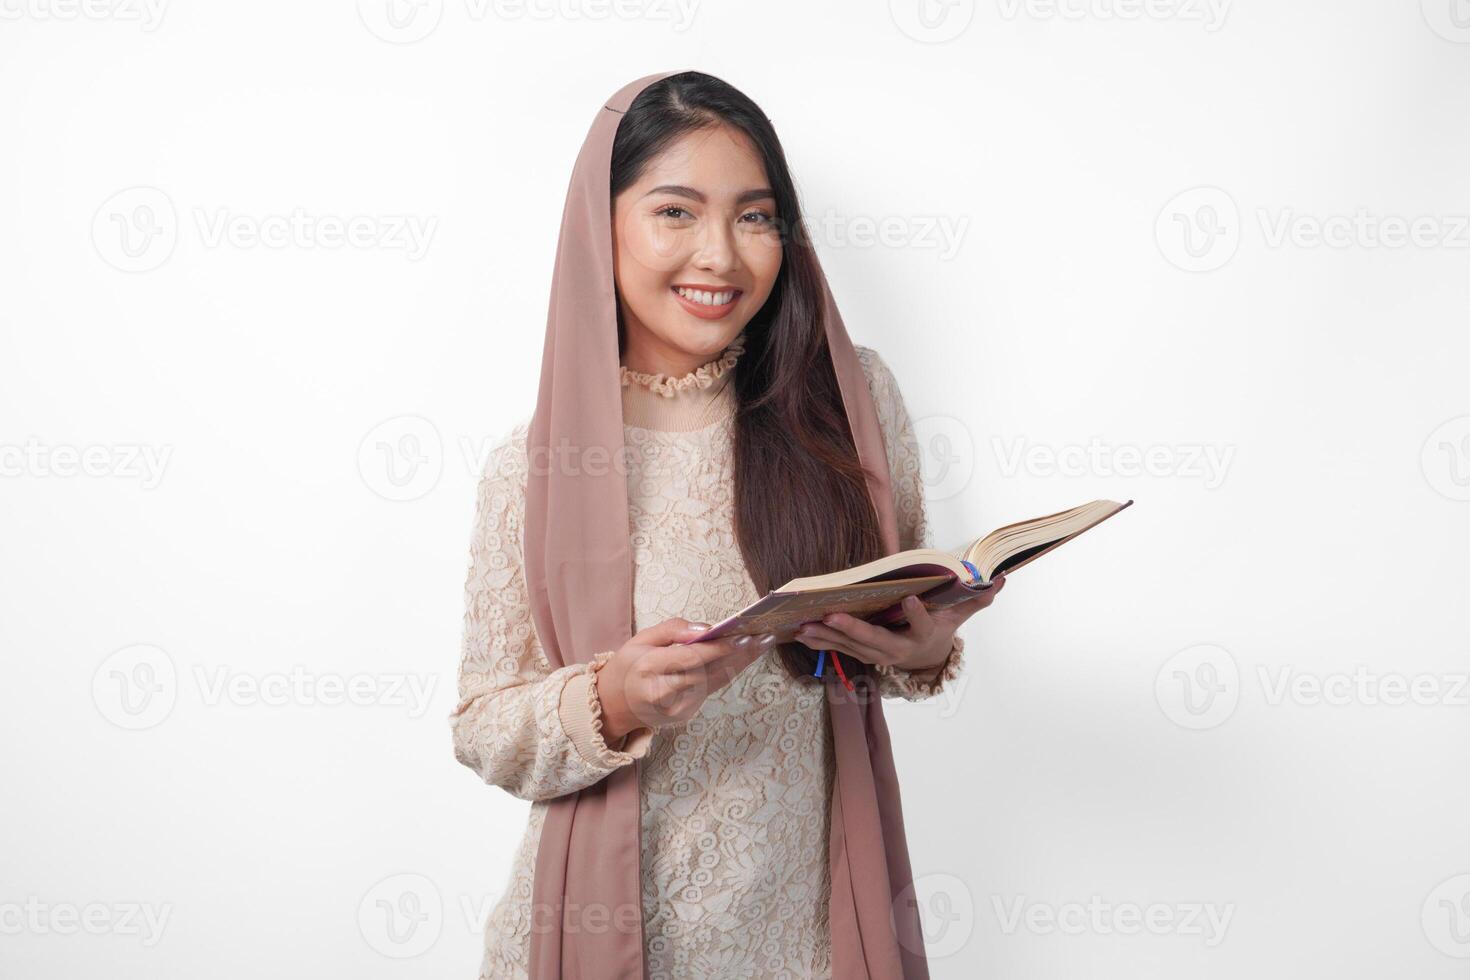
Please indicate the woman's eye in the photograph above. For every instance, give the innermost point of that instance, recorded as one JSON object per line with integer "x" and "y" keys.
{"x": 679, "y": 213}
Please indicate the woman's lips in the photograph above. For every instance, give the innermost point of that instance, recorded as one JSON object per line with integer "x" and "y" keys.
{"x": 706, "y": 312}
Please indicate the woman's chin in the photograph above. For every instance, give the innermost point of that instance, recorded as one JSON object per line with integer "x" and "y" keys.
{"x": 703, "y": 337}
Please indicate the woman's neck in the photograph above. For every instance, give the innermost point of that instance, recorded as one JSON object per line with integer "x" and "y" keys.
{"x": 690, "y": 401}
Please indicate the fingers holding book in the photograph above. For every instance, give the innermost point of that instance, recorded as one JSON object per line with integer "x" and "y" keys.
{"x": 658, "y": 678}
{"x": 922, "y": 642}
{"x": 961, "y": 611}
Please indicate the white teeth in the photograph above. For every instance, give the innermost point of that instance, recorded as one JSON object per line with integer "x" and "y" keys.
{"x": 704, "y": 297}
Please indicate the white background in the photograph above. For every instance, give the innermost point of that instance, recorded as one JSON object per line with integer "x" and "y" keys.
{"x": 1122, "y": 738}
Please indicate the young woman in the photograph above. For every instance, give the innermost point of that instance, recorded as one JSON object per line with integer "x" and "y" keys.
{"x": 705, "y": 431}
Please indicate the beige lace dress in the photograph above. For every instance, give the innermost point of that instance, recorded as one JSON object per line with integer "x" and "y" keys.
{"x": 735, "y": 800}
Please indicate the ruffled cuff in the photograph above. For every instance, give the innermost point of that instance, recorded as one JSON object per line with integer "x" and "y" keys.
{"x": 581, "y": 718}
{"x": 917, "y": 685}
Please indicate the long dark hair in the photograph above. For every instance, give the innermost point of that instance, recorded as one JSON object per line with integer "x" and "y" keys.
{"x": 801, "y": 500}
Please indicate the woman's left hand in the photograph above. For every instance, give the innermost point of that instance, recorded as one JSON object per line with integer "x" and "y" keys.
{"x": 922, "y": 644}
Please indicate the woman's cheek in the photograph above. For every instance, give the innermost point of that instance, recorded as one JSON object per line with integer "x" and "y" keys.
{"x": 653, "y": 244}
{"x": 763, "y": 259}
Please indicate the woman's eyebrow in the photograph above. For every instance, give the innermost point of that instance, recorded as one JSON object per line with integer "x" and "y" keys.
{"x": 754, "y": 194}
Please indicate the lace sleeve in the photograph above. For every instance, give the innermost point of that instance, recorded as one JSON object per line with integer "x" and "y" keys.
{"x": 533, "y": 731}
{"x": 902, "y": 448}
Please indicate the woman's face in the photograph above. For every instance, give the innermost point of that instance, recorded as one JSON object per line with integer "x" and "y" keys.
{"x": 696, "y": 250}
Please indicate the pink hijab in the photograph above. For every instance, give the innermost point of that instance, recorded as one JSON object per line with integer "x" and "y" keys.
{"x": 587, "y": 919}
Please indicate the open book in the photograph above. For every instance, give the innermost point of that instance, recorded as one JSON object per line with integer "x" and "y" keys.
{"x": 873, "y": 591}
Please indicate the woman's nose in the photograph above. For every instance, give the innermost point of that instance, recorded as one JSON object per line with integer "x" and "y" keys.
{"x": 717, "y": 252}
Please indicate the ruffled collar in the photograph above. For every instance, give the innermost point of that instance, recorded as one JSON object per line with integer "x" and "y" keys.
{"x": 701, "y": 377}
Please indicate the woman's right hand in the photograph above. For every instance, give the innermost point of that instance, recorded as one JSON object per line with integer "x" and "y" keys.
{"x": 655, "y": 679}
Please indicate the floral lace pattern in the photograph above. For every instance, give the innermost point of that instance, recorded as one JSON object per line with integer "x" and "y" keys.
{"x": 735, "y": 800}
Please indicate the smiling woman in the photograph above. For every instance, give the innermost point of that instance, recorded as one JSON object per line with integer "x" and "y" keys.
{"x": 704, "y": 801}
{"x": 697, "y": 249}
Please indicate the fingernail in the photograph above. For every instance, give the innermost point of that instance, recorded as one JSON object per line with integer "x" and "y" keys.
{"x": 694, "y": 627}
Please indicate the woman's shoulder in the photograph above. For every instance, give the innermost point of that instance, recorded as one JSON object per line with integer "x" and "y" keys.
{"x": 867, "y": 356}
{"x": 881, "y": 383}
{"x": 879, "y": 374}
{"x": 505, "y": 460}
